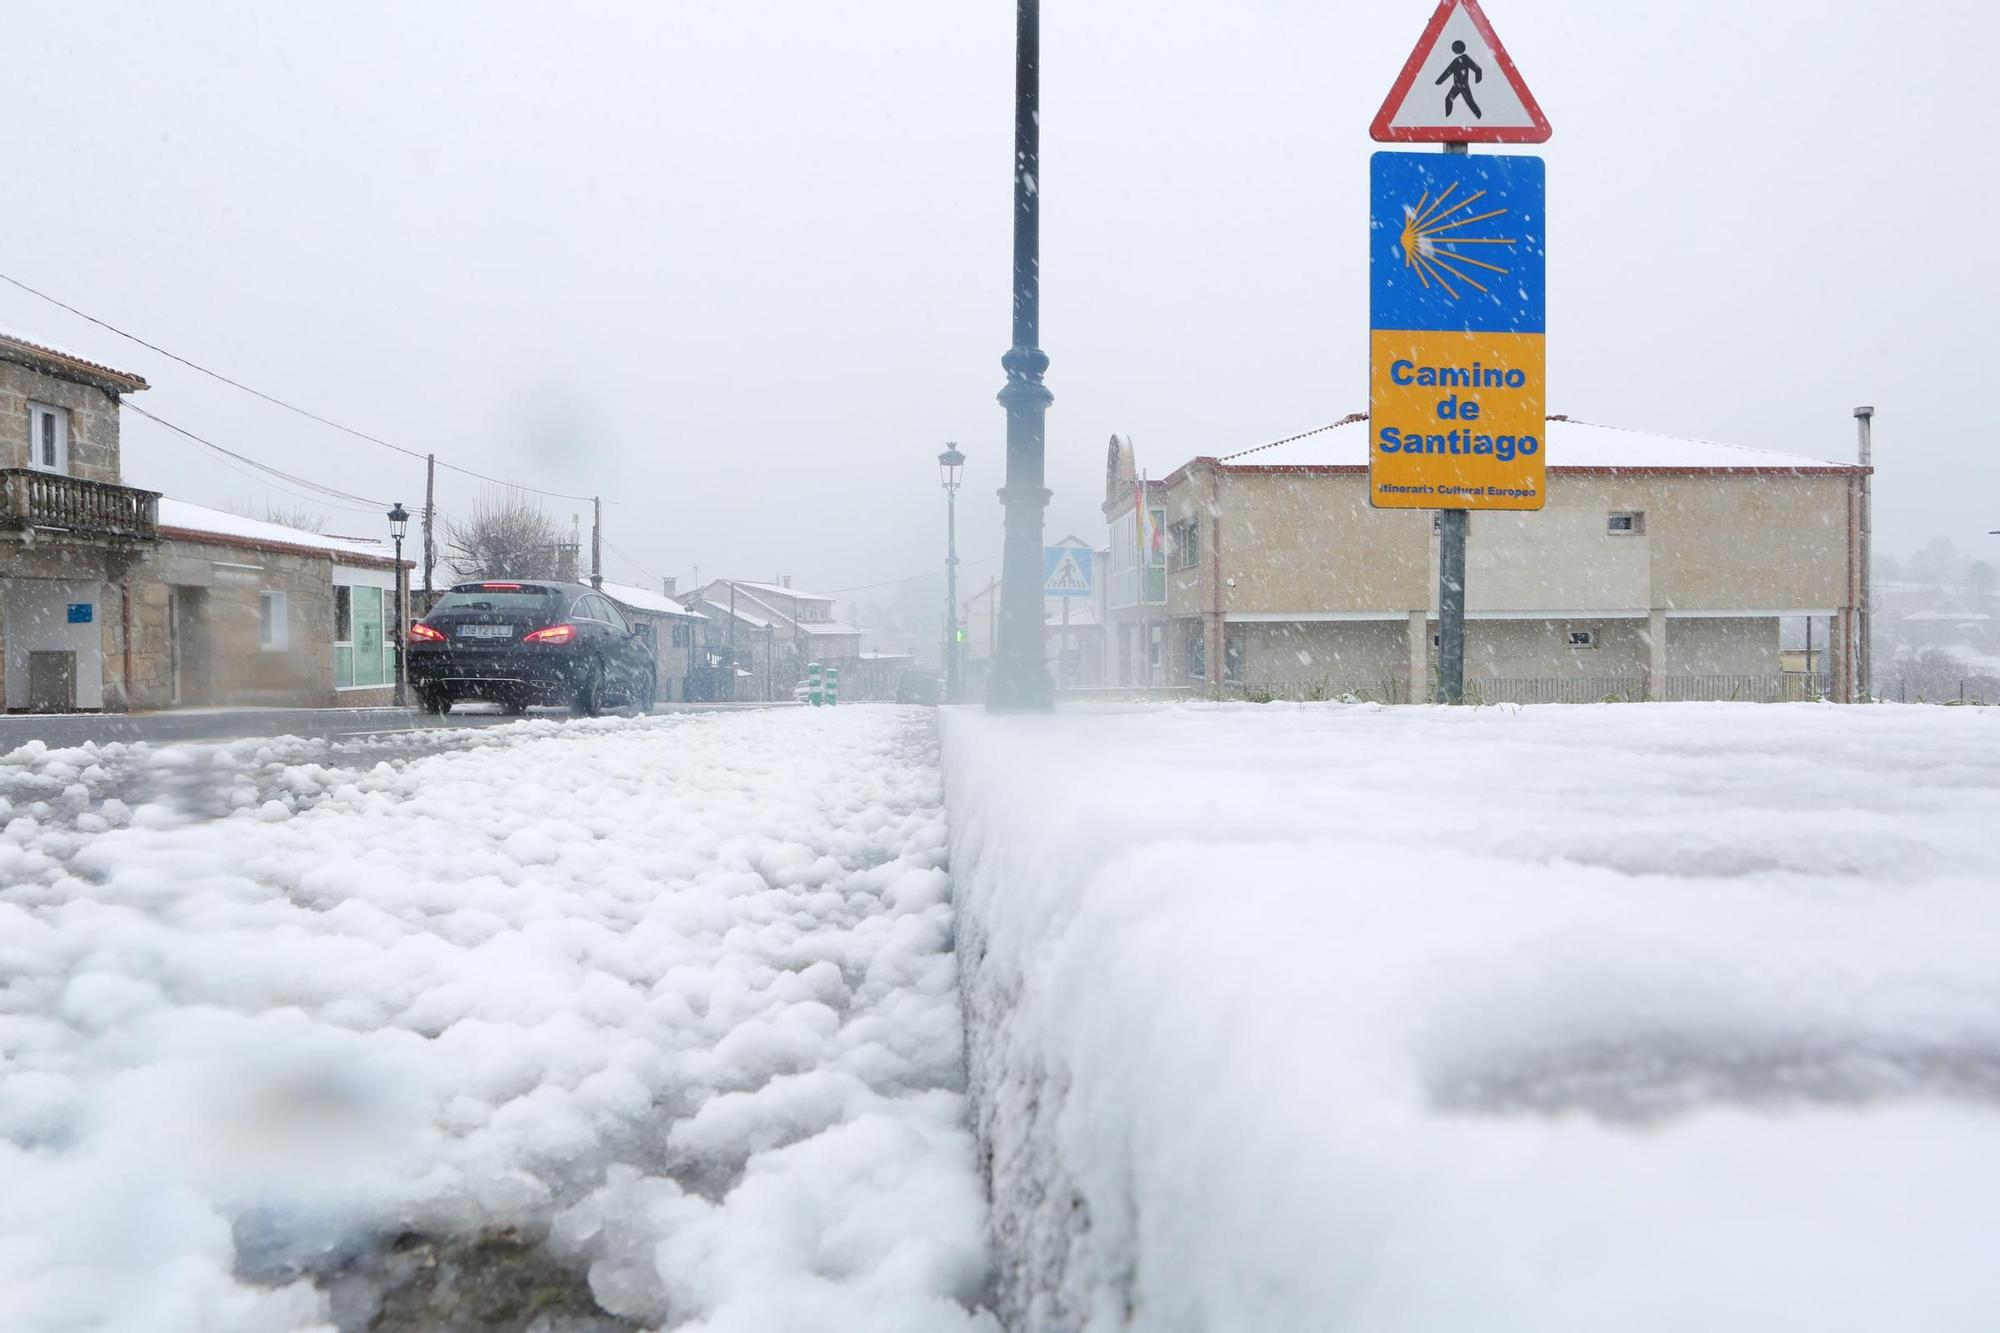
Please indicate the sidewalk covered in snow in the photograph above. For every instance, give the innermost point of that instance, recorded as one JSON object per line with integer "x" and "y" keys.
{"x": 1651, "y": 1018}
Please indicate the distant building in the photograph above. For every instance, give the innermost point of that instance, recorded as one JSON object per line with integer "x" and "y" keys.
{"x": 674, "y": 632}
{"x": 774, "y": 631}
{"x": 1659, "y": 568}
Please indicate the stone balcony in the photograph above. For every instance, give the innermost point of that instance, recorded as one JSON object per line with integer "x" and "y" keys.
{"x": 47, "y": 502}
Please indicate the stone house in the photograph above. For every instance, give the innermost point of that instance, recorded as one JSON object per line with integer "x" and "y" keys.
{"x": 230, "y": 610}
{"x": 71, "y": 534}
{"x": 675, "y": 632}
{"x": 774, "y": 631}
{"x": 1660, "y": 568}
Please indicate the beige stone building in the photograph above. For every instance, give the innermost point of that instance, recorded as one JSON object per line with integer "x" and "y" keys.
{"x": 674, "y": 632}
{"x": 1660, "y": 568}
{"x": 112, "y": 598}
{"x": 71, "y": 534}
{"x": 233, "y": 611}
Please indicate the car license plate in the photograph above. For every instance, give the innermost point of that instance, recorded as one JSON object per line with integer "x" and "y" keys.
{"x": 485, "y": 631}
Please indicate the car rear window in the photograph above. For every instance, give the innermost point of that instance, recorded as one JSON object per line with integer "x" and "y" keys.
{"x": 526, "y": 597}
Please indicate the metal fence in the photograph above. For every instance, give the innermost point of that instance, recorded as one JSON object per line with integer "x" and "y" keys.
{"x": 1782, "y": 687}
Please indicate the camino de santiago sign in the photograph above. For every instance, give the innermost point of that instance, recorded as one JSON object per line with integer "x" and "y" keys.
{"x": 1457, "y": 414}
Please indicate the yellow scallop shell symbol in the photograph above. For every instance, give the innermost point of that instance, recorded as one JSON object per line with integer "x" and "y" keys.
{"x": 1431, "y": 242}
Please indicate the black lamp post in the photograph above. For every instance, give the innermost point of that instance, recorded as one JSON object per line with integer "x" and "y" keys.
{"x": 951, "y": 463}
{"x": 1019, "y": 680}
{"x": 399, "y": 523}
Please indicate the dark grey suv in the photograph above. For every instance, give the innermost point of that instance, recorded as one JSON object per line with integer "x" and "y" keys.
{"x": 530, "y": 641}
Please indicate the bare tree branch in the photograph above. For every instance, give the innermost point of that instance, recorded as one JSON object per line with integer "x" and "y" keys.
{"x": 505, "y": 535}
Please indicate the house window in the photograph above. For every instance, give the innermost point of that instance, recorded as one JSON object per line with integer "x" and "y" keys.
{"x": 680, "y": 635}
{"x": 1628, "y": 524}
{"x": 1187, "y": 541}
{"x": 1197, "y": 654}
{"x": 272, "y": 626}
{"x": 363, "y": 653}
{"x": 1583, "y": 638}
{"x": 48, "y": 438}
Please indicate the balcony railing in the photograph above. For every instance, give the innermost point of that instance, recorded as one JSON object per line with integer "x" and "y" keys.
{"x": 48, "y": 500}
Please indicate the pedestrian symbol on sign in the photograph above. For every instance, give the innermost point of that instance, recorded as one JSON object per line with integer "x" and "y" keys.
{"x": 1064, "y": 573}
{"x": 1462, "y": 66}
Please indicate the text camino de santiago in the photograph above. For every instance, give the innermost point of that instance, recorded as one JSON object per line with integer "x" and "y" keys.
{"x": 1392, "y": 440}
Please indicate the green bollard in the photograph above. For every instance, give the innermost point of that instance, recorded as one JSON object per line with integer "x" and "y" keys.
{"x": 815, "y": 689}
{"x": 832, "y": 686}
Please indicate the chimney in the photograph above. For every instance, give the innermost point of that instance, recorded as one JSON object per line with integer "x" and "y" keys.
{"x": 667, "y": 585}
{"x": 784, "y": 580}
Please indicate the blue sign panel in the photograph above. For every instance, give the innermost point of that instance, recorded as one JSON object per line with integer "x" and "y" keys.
{"x": 1066, "y": 571}
{"x": 1457, "y": 243}
{"x": 81, "y": 613}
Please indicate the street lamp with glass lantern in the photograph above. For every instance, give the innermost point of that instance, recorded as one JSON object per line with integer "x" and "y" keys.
{"x": 950, "y": 464}
{"x": 399, "y": 523}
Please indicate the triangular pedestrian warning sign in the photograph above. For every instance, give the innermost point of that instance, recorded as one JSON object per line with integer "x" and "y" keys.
{"x": 1460, "y": 87}
{"x": 1067, "y": 576}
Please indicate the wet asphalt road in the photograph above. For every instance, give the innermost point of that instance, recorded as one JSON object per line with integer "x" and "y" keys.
{"x": 64, "y": 730}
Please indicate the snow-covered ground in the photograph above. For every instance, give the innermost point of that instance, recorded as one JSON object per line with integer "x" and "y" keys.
{"x": 1648, "y": 1017}
{"x": 677, "y": 992}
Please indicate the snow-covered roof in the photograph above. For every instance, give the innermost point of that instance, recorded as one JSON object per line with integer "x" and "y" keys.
{"x": 1570, "y": 444}
{"x": 722, "y": 609}
{"x": 1954, "y": 617}
{"x": 196, "y": 522}
{"x": 652, "y": 603}
{"x": 41, "y": 349}
{"x": 780, "y": 590}
{"x": 828, "y": 627}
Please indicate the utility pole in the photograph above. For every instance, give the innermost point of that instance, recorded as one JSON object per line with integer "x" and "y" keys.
{"x": 596, "y": 543}
{"x": 430, "y": 518}
{"x": 1864, "y": 628}
{"x": 1020, "y": 679}
{"x": 732, "y": 641}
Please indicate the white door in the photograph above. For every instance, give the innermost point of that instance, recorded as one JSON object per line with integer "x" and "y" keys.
{"x": 48, "y": 438}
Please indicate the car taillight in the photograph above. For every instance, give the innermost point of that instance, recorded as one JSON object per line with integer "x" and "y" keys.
{"x": 553, "y": 634}
{"x": 501, "y": 587}
{"x": 422, "y": 633}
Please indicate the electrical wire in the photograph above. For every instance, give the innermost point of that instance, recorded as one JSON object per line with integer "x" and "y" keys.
{"x": 275, "y": 401}
{"x": 320, "y": 490}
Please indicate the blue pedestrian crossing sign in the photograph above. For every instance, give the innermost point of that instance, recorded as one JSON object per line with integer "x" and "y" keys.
{"x": 1066, "y": 571}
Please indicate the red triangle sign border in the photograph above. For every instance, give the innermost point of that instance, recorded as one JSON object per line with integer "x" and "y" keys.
{"x": 1380, "y": 129}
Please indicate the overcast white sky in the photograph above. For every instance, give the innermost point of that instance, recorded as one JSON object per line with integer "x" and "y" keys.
{"x": 742, "y": 267}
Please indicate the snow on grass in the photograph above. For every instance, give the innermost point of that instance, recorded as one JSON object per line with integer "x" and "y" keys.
{"x": 678, "y": 991}
{"x": 1659, "y": 1017}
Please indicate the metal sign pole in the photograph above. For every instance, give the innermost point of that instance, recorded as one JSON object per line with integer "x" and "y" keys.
{"x": 1452, "y": 527}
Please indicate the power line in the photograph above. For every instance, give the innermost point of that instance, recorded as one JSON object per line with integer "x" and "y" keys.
{"x": 320, "y": 490}
{"x": 273, "y": 399}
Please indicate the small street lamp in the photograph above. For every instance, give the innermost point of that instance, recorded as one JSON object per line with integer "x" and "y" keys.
{"x": 951, "y": 463}
{"x": 399, "y": 523}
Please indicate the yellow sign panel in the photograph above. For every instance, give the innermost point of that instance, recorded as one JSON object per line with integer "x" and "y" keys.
{"x": 1456, "y": 420}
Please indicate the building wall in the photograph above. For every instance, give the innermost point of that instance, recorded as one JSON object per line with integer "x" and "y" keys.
{"x": 93, "y": 421}
{"x": 37, "y": 585}
{"x": 223, "y": 661}
{"x": 1514, "y": 649}
{"x": 1722, "y": 646}
{"x": 1332, "y": 653}
{"x": 1302, "y": 542}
